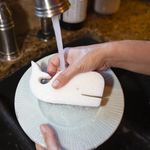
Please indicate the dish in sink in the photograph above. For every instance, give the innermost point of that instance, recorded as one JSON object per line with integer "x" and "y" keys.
{"x": 76, "y": 127}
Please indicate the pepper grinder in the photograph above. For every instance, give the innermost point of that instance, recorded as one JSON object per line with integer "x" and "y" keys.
{"x": 8, "y": 45}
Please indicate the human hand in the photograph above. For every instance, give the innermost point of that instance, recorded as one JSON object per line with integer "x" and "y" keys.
{"x": 49, "y": 138}
{"x": 78, "y": 60}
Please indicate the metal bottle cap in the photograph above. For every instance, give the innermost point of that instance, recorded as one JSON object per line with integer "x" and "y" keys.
{"x": 8, "y": 45}
{"x": 6, "y": 21}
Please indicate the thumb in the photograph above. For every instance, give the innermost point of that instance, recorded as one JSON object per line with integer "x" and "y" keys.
{"x": 49, "y": 137}
{"x": 65, "y": 76}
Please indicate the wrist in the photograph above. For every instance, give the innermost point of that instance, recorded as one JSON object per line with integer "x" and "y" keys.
{"x": 111, "y": 54}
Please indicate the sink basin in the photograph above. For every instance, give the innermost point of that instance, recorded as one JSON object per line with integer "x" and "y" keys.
{"x": 133, "y": 132}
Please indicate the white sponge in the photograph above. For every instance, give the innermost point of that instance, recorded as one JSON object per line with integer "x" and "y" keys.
{"x": 85, "y": 89}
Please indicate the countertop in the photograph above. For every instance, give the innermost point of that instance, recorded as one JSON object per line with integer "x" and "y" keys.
{"x": 132, "y": 21}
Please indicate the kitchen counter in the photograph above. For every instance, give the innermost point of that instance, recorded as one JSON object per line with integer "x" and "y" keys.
{"x": 132, "y": 21}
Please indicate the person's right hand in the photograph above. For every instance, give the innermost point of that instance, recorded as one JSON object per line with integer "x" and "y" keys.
{"x": 78, "y": 60}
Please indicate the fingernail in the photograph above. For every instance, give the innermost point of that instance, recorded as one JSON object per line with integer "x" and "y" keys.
{"x": 43, "y": 129}
{"x": 56, "y": 83}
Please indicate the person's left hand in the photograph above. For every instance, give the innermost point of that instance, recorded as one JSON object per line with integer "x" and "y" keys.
{"x": 79, "y": 60}
{"x": 49, "y": 138}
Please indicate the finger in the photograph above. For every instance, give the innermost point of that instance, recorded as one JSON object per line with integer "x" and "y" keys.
{"x": 65, "y": 76}
{"x": 53, "y": 65}
{"x": 54, "y": 62}
{"x": 49, "y": 137}
{"x": 72, "y": 57}
{"x": 38, "y": 147}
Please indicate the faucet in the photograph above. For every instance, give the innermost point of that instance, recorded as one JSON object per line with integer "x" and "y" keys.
{"x": 45, "y": 9}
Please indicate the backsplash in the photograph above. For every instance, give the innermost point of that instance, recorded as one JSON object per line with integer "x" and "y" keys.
{"x": 23, "y": 15}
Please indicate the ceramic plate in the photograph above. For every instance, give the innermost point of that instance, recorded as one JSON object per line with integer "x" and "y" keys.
{"x": 77, "y": 128}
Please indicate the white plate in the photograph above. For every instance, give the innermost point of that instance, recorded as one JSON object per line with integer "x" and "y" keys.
{"x": 77, "y": 128}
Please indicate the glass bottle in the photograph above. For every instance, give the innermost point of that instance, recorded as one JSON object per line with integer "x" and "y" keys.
{"x": 74, "y": 17}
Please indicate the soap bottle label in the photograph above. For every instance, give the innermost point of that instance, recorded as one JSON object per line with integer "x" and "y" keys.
{"x": 77, "y": 12}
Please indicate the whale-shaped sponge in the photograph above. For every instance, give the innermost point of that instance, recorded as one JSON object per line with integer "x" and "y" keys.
{"x": 85, "y": 89}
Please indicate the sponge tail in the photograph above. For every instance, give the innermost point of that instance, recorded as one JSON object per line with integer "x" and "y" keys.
{"x": 35, "y": 66}
{"x": 41, "y": 75}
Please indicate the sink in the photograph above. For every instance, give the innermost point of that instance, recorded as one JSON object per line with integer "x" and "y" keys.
{"x": 133, "y": 132}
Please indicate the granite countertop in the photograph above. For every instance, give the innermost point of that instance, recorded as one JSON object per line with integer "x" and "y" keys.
{"x": 132, "y": 21}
